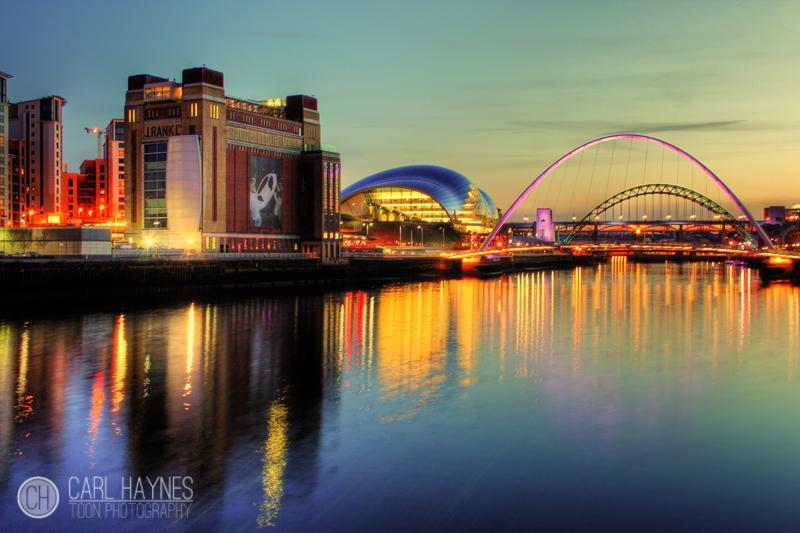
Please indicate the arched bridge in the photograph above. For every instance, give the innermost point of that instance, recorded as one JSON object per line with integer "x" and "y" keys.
{"x": 657, "y": 189}
{"x": 687, "y": 194}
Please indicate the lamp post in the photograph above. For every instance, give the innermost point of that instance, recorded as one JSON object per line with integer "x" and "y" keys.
{"x": 442, "y": 230}
{"x": 421, "y": 236}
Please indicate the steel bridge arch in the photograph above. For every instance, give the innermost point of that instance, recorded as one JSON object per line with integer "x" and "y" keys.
{"x": 652, "y": 189}
{"x": 686, "y": 155}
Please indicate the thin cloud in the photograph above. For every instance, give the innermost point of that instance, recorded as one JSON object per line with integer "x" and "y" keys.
{"x": 682, "y": 126}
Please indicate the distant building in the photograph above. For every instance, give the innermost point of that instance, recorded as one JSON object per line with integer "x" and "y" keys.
{"x": 775, "y": 214}
{"x": 69, "y": 192}
{"x": 206, "y": 170}
{"x": 36, "y": 174}
{"x": 5, "y": 159}
{"x": 545, "y": 227}
{"x": 115, "y": 169}
{"x": 87, "y": 192}
{"x": 793, "y": 213}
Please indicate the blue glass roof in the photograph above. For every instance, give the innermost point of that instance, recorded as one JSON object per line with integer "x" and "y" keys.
{"x": 446, "y": 186}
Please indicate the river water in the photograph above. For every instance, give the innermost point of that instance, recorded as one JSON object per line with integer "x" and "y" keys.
{"x": 622, "y": 396}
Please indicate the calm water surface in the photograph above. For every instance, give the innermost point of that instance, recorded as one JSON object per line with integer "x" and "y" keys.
{"x": 624, "y": 396}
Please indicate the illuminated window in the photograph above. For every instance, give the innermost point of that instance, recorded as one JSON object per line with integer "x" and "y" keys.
{"x": 160, "y": 92}
{"x": 193, "y": 109}
{"x": 214, "y": 111}
{"x": 155, "y": 185}
{"x": 131, "y": 115}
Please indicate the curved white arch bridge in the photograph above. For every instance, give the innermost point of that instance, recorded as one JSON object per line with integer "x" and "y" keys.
{"x": 635, "y": 136}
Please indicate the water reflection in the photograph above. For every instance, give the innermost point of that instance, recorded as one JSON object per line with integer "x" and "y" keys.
{"x": 255, "y": 399}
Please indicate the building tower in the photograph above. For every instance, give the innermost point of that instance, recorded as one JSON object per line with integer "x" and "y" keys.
{"x": 545, "y": 228}
{"x": 36, "y": 126}
{"x": 5, "y": 159}
{"x": 115, "y": 169}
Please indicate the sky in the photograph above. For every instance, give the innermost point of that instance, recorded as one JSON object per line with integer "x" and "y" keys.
{"x": 495, "y": 90}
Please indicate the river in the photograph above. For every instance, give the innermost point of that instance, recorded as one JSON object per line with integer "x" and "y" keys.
{"x": 621, "y": 396}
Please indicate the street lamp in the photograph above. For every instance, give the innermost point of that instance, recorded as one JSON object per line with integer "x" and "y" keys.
{"x": 421, "y": 236}
{"x": 442, "y": 230}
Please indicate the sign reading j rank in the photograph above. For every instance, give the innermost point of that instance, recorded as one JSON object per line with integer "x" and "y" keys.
{"x": 163, "y": 130}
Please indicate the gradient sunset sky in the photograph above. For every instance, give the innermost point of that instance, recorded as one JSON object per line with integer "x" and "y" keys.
{"x": 495, "y": 90}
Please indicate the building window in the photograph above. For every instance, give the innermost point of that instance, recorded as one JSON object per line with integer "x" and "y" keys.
{"x": 131, "y": 115}
{"x": 193, "y": 109}
{"x": 214, "y": 111}
{"x": 155, "y": 185}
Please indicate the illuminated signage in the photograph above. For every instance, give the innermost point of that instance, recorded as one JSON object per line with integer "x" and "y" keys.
{"x": 272, "y": 140}
{"x": 163, "y": 130}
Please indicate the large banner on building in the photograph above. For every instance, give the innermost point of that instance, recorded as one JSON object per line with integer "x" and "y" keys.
{"x": 266, "y": 192}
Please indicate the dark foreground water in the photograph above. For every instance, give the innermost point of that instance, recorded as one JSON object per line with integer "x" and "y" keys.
{"x": 656, "y": 397}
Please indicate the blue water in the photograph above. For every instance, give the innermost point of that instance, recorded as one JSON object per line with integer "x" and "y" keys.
{"x": 621, "y": 397}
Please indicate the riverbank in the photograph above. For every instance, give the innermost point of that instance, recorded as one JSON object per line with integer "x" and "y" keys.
{"x": 31, "y": 281}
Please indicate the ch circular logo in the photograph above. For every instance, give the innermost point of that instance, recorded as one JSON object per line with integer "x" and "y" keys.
{"x": 37, "y": 497}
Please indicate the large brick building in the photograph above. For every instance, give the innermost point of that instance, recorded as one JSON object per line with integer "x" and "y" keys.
{"x": 204, "y": 170}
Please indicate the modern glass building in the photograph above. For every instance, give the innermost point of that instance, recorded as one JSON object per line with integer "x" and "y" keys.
{"x": 420, "y": 193}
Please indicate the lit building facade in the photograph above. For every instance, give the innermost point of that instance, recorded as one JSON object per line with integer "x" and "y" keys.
{"x": 36, "y": 127}
{"x": 5, "y": 159}
{"x": 115, "y": 169}
{"x": 775, "y": 214}
{"x": 423, "y": 194}
{"x": 86, "y": 193}
{"x": 205, "y": 170}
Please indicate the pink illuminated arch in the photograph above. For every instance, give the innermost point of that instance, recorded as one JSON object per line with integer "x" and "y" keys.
{"x": 761, "y": 234}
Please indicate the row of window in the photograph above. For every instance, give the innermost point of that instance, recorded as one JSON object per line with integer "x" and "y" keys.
{"x": 155, "y": 185}
{"x": 174, "y": 112}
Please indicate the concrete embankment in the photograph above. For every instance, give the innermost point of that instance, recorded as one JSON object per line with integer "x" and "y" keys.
{"x": 36, "y": 280}
{"x": 75, "y": 279}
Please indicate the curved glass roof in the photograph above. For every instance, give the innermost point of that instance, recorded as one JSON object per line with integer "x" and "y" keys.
{"x": 451, "y": 189}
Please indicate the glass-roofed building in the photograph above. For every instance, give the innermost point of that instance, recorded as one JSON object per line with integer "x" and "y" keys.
{"x": 421, "y": 194}
{"x": 425, "y": 193}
